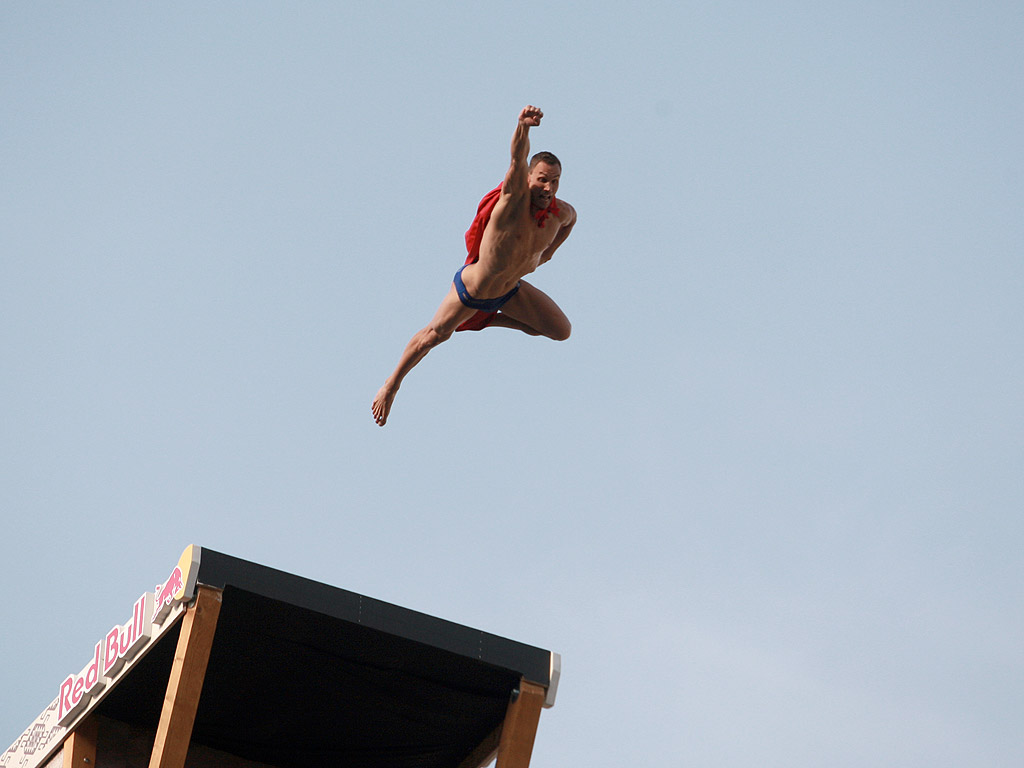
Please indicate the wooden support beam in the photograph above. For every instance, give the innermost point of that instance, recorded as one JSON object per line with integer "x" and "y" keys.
{"x": 520, "y": 727}
{"x": 80, "y": 746}
{"x": 484, "y": 752}
{"x": 185, "y": 683}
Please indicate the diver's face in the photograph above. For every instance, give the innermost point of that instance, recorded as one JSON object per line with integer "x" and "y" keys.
{"x": 543, "y": 181}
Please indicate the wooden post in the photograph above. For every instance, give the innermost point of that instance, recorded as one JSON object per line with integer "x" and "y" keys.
{"x": 520, "y": 727}
{"x": 185, "y": 683}
{"x": 80, "y": 746}
{"x": 484, "y": 752}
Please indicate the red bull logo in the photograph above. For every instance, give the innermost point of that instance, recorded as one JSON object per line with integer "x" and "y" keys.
{"x": 167, "y": 593}
{"x": 123, "y": 642}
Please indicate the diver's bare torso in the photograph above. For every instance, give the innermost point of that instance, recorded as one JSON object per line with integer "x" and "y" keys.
{"x": 513, "y": 245}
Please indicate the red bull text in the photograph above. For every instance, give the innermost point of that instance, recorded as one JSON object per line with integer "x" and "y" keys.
{"x": 119, "y": 646}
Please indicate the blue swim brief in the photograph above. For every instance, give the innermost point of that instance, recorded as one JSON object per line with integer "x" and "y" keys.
{"x": 485, "y": 305}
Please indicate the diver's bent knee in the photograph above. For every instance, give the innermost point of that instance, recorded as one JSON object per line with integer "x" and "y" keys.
{"x": 562, "y": 332}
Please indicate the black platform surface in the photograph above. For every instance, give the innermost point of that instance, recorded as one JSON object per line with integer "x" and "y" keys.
{"x": 303, "y": 673}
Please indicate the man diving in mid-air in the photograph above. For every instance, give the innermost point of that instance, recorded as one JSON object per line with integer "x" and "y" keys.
{"x": 518, "y": 227}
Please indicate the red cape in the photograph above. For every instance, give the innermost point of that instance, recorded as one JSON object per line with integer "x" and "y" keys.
{"x": 474, "y": 236}
{"x": 475, "y": 233}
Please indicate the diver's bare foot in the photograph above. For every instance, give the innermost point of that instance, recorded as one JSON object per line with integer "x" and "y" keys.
{"x": 382, "y": 404}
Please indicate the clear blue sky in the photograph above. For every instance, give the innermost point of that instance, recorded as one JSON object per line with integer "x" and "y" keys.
{"x": 766, "y": 501}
